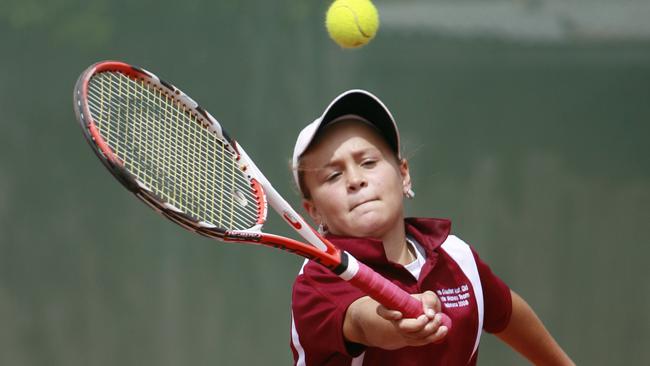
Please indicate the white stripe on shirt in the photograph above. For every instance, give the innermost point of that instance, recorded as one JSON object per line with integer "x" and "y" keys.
{"x": 296, "y": 343}
{"x": 462, "y": 254}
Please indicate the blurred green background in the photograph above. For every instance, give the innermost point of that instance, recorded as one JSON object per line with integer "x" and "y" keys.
{"x": 526, "y": 123}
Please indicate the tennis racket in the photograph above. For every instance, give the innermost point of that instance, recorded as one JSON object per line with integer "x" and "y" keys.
{"x": 175, "y": 157}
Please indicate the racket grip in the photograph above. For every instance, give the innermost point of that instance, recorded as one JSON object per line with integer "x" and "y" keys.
{"x": 389, "y": 295}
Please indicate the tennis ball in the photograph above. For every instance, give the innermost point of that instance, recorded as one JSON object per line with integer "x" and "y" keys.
{"x": 352, "y": 23}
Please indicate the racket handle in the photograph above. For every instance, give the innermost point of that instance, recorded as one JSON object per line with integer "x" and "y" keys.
{"x": 389, "y": 295}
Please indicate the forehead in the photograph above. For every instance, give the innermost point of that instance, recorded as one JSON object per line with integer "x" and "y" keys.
{"x": 347, "y": 135}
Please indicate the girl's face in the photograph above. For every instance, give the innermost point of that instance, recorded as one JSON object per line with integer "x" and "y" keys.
{"x": 355, "y": 182}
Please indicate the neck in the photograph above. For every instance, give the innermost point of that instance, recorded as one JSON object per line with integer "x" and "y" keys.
{"x": 395, "y": 246}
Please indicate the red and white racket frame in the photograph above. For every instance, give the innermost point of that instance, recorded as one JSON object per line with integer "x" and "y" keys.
{"x": 319, "y": 249}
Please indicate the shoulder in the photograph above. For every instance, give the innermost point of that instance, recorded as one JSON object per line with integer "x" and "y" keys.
{"x": 311, "y": 272}
{"x": 315, "y": 284}
{"x": 453, "y": 241}
{"x": 465, "y": 256}
{"x": 458, "y": 249}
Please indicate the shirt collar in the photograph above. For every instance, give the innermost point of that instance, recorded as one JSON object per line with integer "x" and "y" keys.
{"x": 428, "y": 232}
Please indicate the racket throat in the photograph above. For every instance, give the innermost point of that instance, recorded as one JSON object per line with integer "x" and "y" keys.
{"x": 348, "y": 267}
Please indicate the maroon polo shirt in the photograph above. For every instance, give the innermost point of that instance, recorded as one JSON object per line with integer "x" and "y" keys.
{"x": 320, "y": 300}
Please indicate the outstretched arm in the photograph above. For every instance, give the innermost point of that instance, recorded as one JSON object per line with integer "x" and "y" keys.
{"x": 527, "y": 335}
{"x": 369, "y": 323}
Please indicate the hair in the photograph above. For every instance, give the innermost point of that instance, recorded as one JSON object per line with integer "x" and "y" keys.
{"x": 301, "y": 181}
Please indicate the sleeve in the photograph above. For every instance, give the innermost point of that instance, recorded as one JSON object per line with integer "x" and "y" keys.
{"x": 319, "y": 303}
{"x": 496, "y": 298}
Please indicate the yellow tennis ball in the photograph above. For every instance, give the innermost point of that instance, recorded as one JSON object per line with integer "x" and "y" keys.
{"x": 352, "y": 23}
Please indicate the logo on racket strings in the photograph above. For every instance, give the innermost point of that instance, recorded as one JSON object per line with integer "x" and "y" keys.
{"x": 239, "y": 197}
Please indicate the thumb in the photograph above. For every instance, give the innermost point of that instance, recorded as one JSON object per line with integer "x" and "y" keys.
{"x": 431, "y": 303}
{"x": 388, "y": 314}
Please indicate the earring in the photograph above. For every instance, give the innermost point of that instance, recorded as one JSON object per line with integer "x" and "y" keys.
{"x": 409, "y": 193}
{"x": 322, "y": 229}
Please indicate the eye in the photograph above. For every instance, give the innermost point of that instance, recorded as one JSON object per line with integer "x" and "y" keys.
{"x": 368, "y": 163}
{"x": 332, "y": 176}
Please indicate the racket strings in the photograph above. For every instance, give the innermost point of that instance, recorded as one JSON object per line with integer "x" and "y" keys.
{"x": 165, "y": 146}
{"x": 168, "y": 114}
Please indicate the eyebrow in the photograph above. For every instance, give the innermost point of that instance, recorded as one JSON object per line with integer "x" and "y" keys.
{"x": 355, "y": 155}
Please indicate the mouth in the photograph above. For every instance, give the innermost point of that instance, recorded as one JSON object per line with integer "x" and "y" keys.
{"x": 361, "y": 203}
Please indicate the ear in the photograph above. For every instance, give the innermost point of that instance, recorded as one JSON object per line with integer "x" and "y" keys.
{"x": 309, "y": 206}
{"x": 406, "y": 175}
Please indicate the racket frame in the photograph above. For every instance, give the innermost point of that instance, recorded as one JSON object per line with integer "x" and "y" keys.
{"x": 320, "y": 250}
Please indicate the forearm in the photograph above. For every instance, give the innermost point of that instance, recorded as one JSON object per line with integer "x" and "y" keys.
{"x": 362, "y": 325}
{"x": 527, "y": 335}
{"x": 373, "y": 325}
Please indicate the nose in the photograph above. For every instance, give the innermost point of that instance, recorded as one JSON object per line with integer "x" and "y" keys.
{"x": 356, "y": 180}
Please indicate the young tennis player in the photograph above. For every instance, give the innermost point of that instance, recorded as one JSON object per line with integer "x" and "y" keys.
{"x": 348, "y": 167}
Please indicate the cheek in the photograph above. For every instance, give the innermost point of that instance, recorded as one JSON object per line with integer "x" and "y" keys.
{"x": 392, "y": 191}
{"x": 328, "y": 200}
{"x": 389, "y": 182}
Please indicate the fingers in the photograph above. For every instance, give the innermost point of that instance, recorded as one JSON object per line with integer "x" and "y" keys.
{"x": 422, "y": 330}
{"x": 419, "y": 327}
{"x": 430, "y": 306}
{"x": 426, "y": 328}
{"x": 430, "y": 302}
{"x": 436, "y": 337}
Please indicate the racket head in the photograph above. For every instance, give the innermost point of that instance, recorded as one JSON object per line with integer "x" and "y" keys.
{"x": 168, "y": 151}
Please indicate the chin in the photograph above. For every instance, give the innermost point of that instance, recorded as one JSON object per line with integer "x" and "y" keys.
{"x": 370, "y": 225}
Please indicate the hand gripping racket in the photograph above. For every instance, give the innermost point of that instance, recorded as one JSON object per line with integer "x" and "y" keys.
{"x": 173, "y": 155}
